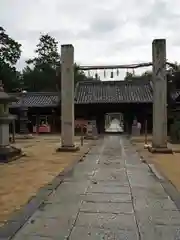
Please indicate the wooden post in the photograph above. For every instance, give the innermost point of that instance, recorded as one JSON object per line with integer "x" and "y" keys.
{"x": 37, "y": 124}
{"x": 13, "y": 131}
{"x": 82, "y": 135}
{"x": 145, "y": 131}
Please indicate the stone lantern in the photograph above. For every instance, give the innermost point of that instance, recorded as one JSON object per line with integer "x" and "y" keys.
{"x": 23, "y": 117}
{"x": 7, "y": 152}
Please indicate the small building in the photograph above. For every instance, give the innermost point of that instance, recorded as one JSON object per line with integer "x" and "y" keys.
{"x": 42, "y": 107}
{"x": 93, "y": 99}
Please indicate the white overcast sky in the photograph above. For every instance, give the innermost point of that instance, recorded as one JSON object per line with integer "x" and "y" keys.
{"x": 102, "y": 31}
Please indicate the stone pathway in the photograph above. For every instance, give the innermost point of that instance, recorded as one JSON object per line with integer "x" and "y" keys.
{"x": 111, "y": 195}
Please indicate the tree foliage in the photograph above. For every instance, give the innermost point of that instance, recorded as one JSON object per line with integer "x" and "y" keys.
{"x": 40, "y": 74}
{"x": 132, "y": 76}
{"x": 10, "y": 52}
{"x": 43, "y": 73}
{"x": 79, "y": 75}
{"x": 9, "y": 49}
{"x": 173, "y": 82}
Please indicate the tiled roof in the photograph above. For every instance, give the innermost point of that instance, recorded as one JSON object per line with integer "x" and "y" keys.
{"x": 89, "y": 92}
{"x": 113, "y": 92}
{"x": 41, "y": 99}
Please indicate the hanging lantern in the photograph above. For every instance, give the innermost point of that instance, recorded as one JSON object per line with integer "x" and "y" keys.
{"x": 117, "y": 72}
{"x": 112, "y": 75}
{"x": 96, "y": 76}
{"x": 133, "y": 72}
{"x": 127, "y": 75}
{"x": 104, "y": 73}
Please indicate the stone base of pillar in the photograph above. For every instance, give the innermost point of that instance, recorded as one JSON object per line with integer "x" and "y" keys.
{"x": 165, "y": 150}
{"x": 68, "y": 149}
{"x": 9, "y": 153}
{"x": 25, "y": 136}
{"x": 91, "y": 137}
{"x": 114, "y": 133}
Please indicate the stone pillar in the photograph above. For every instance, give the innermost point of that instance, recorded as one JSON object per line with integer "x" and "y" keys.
{"x": 24, "y": 121}
{"x": 67, "y": 98}
{"x": 159, "y": 140}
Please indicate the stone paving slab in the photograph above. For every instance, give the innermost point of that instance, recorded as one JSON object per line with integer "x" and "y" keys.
{"x": 111, "y": 165}
{"x": 58, "y": 211}
{"x": 74, "y": 188}
{"x": 140, "y": 181}
{"x": 110, "y": 183}
{"x": 107, "y": 221}
{"x": 107, "y": 207}
{"x": 108, "y": 177}
{"x": 70, "y": 192}
{"x": 138, "y": 166}
{"x": 100, "y": 188}
{"x": 81, "y": 171}
{"x": 80, "y": 174}
{"x": 101, "y": 198}
{"x": 112, "y": 174}
{"x": 160, "y": 232}
{"x": 26, "y": 237}
{"x": 162, "y": 204}
{"x": 110, "y": 171}
{"x": 68, "y": 198}
{"x": 154, "y": 216}
{"x": 47, "y": 227}
{"x": 153, "y": 192}
{"x": 102, "y": 234}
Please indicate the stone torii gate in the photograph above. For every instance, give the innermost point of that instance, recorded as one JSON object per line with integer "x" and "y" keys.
{"x": 159, "y": 141}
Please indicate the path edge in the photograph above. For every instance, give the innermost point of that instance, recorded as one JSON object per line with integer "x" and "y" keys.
{"x": 168, "y": 186}
{"x": 21, "y": 216}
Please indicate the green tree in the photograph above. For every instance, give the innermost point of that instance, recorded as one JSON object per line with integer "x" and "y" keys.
{"x": 132, "y": 76}
{"x": 40, "y": 74}
{"x": 43, "y": 73}
{"x": 10, "y": 52}
{"x": 128, "y": 76}
{"x": 79, "y": 75}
